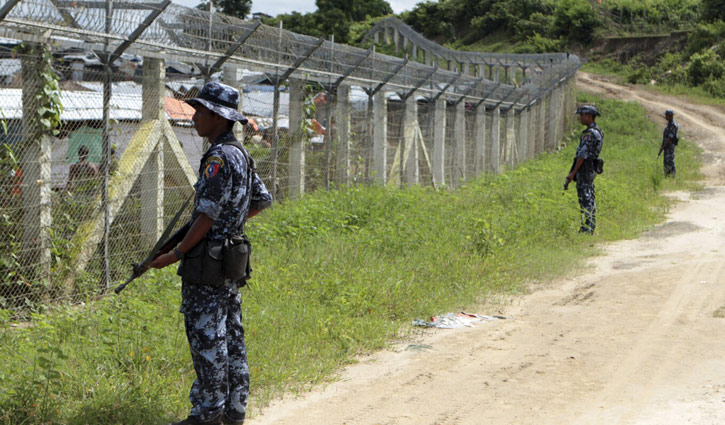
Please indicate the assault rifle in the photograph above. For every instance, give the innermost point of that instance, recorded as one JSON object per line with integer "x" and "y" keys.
{"x": 162, "y": 246}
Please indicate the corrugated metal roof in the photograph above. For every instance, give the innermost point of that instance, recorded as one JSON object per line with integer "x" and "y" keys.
{"x": 88, "y": 105}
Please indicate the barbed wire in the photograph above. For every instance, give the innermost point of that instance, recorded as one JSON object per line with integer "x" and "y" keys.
{"x": 80, "y": 205}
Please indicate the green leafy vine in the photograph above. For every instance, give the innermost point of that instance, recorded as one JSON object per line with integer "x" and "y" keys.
{"x": 49, "y": 106}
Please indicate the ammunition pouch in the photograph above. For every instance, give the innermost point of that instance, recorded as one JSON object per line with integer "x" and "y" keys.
{"x": 236, "y": 258}
{"x": 599, "y": 165}
{"x": 211, "y": 262}
{"x": 203, "y": 264}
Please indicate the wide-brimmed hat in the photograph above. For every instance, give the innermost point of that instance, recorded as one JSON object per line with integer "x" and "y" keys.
{"x": 588, "y": 109}
{"x": 221, "y": 99}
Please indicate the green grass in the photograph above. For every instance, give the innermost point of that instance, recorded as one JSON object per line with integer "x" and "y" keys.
{"x": 337, "y": 275}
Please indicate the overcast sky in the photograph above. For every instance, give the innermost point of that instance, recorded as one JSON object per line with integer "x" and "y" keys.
{"x": 275, "y": 7}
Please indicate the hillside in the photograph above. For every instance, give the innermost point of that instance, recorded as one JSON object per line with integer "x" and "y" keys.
{"x": 663, "y": 42}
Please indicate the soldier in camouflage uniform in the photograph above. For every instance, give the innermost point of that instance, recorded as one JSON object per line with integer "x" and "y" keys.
{"x": 669, "y": 141}
{"x": 583, "y": 170}
{"x": 227, "y": 193}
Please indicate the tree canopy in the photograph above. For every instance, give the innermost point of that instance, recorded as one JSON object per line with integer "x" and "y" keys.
{"x": 237, "y": 8}
{"x": 333, "y": 17}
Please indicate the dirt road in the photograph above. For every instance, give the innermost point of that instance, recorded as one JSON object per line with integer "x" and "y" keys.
{"x": 638, "y": 339}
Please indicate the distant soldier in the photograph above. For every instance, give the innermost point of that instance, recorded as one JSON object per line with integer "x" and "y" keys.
{"x": 669, "y": 141}
{"x": 586, "y": 165}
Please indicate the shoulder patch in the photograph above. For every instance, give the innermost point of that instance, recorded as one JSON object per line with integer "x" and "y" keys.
{"x": 212, "y": 166}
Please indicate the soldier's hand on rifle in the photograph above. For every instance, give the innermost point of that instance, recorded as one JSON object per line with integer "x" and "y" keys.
{"x": 569, "y": 178}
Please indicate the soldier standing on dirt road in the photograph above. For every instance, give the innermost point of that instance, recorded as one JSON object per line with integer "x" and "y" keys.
{"x": 228, "y": 192}
{"x": 669, "y": 141}
{"x": 584, "y": 168}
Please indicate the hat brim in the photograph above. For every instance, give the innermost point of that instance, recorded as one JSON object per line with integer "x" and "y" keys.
{"x": 224, "y": 111}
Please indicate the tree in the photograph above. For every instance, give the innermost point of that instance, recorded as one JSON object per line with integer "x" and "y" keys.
{"x": 336, "y": 16}
{"x": 712, "y": 10}
{"x": 237, "y": 8}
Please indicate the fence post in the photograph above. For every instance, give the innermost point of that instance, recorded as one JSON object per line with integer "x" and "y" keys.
{"x": 35, "y": 187}
{"x": 153, "y": 86}
{"x": 540, "y": 125}
{"x": 531, "y": 144}
{"x": 439, "y": 142}
{"x": 298, "y": 138}
{"x": 342, "y": 122}
{"x": 410, "y": 124}
{"x": 549, "y": 121}
{"x": 562, "y": 111}
{"x": 496, "y": 140}
{"x": 523, "y": 135}
{"x": 380, "y": 137}
{"x": 510, "y": 149}
{"x": 232, "y": 76}
{"x": 479, "y": 132}
{"x": 459, "y": 134}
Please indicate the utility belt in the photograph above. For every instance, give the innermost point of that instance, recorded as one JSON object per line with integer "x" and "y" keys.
{"x": 589, "y": 166}
{"x": 212, "y": 262}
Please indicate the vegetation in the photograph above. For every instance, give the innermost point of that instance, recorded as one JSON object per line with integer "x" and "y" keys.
{"x": 238, "y": 8}
{"x": 338, "y": 274}
{"x": 335, "y": 17}
{"x": 537, "y": 26}
{"x": 698, "y": 66}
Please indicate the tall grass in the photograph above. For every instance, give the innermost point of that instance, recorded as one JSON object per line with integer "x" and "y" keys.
{"x": 338, "y": 274}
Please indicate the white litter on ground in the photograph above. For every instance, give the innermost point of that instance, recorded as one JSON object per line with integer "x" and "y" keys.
{"x": 455, "y": 320}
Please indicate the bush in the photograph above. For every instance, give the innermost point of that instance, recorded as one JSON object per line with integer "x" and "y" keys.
{"x": 705, "y": 66}
{"x": 576, "y": 20}
{"x": 704, "y": 36}
{"x": 544, "y": 45}
{"x": 639, "y": 72}
{"x": 715, "y": 87}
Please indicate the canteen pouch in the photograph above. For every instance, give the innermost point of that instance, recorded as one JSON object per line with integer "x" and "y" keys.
{"x": 236, "y": 258}
{"x": 599, "y": 165}
{"x": 202, "y": 265}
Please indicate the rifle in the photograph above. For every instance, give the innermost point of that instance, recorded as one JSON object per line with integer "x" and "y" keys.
{"x": 662, "y": 147}
{"x": 162, "y": 246}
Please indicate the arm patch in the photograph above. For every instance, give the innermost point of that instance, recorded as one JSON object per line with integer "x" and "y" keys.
{"x": 212, "y": 166}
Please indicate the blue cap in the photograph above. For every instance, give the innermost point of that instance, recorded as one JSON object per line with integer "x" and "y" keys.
{"x": 221, "y": 99}
{"x": 669, "y": 112}
{"x": 588, "y": 109}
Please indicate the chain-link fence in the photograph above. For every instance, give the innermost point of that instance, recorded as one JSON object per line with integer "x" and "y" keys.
{"x": 98, "y": 150}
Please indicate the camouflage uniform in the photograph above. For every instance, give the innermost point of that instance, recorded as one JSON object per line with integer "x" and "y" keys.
{"x": 590, "y": 146}
{"x": 669, "y": 152}
{"x": 225, "y": 191}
